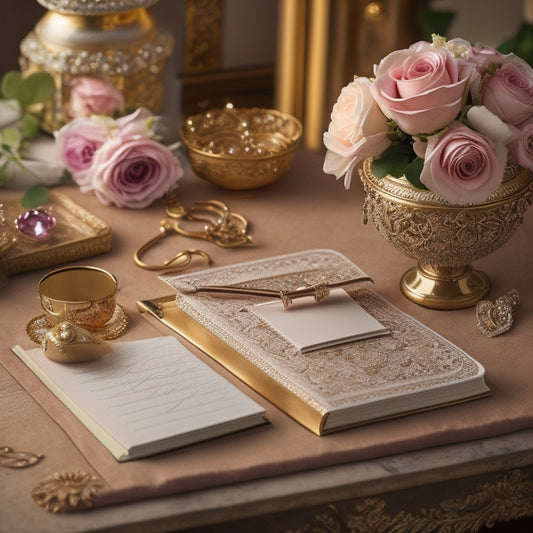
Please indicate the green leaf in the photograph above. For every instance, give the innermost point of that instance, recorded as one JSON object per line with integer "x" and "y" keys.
{"x": 521, "y": 44}
{"x": 29, "y": 126}
{"x": 413, "y": 171}
{"x": 393, "y": 161}
{"x": 35, "y": 197}
{"x": 35, "y": 89}
{"x": 11, "y": 138}
{"x": 10, "y": 84}
{"x": 436, "y": 22}
{"x": 4, "y": 176}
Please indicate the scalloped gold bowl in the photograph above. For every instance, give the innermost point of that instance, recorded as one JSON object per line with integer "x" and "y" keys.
{"x": 241, "y": 148}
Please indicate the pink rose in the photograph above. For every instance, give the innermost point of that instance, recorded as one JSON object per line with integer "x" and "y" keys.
{"x": 462, "y": 166}
{"x": 509, "y": 92}
{"x": 133, "y": 172}
{"x": 522, "y": 148}
{"x": 76, "y": 144}
{"x": 483, "y": 56}
{"x": 92, "y": 96}
{"x": 357, "y": 130}
{"x": 421, "y": 88}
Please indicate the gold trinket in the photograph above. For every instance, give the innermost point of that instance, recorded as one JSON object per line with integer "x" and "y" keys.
{"x": 67, "y": 491}
{"x": 496, "y": 318}
{"x": 241, "y": 149}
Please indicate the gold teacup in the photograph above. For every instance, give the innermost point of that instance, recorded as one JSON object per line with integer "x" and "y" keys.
{"x": 81, "y": 295}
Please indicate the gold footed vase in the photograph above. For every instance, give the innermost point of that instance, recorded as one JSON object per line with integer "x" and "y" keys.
{"x": 116, "y": 41}
{"x": 445, "y": 238}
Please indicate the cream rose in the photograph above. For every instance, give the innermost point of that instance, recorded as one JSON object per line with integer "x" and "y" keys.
{"x": 357, "y": 130}
{"x": 463, "y": 166}
{"x": 421, "y": 88}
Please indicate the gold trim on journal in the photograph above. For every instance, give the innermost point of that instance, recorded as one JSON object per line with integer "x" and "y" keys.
{"x": 165, "y": 311}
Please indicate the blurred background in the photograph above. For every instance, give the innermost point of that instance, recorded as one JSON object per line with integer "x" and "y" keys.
{"x": 294, "y": 55}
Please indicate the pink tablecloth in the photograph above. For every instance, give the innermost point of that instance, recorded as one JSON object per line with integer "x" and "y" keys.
{"x": 304, "y": 210}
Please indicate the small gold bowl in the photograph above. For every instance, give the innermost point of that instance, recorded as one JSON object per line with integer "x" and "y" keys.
{"x": 241, "y": 148}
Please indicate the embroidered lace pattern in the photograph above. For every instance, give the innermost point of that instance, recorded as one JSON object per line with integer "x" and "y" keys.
{"x": 413, "y": 357}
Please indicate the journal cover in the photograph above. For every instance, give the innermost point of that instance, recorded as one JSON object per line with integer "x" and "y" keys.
{"x": 411, "y": 369}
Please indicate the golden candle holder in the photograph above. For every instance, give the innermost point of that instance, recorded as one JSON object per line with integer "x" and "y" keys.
{"x": 117, "y": 42}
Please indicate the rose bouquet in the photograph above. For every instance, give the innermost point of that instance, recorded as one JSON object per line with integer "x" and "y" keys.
{"x": 445, "y": 115}
{"x": 118, "y": 160}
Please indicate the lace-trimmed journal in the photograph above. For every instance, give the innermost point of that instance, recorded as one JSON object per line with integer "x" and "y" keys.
{"x": 410, "y": 369}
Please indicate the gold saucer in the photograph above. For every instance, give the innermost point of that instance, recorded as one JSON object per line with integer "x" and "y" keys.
{"x": 38, "y": 327}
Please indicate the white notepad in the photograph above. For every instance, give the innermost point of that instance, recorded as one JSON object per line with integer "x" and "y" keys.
{"x": 311, "y": 326}
{"x": 147, "y": 396}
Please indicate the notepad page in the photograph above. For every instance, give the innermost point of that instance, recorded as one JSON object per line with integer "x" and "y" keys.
{"x": 149, "y": 390}
{"x": 311, "y": 326}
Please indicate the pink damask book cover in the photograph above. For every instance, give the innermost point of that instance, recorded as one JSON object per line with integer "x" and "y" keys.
{"x": 410, "y": 369}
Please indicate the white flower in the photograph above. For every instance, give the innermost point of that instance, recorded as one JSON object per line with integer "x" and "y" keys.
{"x": 487, "y": 123}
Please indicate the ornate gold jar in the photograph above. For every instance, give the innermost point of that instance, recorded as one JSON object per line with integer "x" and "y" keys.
{"x": 445, "y": 238}
{"x": 116, "y": 41}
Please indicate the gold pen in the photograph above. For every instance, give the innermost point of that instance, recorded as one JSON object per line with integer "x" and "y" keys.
{"x": 319, "y": 291}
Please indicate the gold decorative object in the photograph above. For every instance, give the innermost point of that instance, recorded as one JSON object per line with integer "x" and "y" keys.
{"x": 241, "y": 149}
{"x": 319, "y": 290}
{"x": 67, "y": 491}
{"x": 116, "y": 41}
{"x": 497, "y": 318}
{"x": 81, "y": 313}
{"x": 445, "y": 238}
{"x": 77, "y": 234}
{"x": 219, "y": 225}
{"x": 507, "y": 497}
{"x": 320, "y": 44}
{"x": 67, "y": 343}
{"x": 16, "y": 459}
{"x": 81, "y": 295}
{"x": 39, "y": 326}
{"x": 7, "y": 239}
{"x": 179, "y": 261}
{"x": 203, "y": 35}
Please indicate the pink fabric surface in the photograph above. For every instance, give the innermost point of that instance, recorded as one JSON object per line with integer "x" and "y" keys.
{"x": 304, "y": 210}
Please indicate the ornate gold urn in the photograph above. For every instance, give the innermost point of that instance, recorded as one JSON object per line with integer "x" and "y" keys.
{"x": 445, "y": 238}
{"x": 115, "y": 41}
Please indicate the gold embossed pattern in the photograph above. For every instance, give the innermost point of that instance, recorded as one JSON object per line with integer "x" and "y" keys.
{"x": 506, "y": 498}
{"x": 67, "y": 491}
{"x": 445, "y": 238}
{"x": 411, "y": 351}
